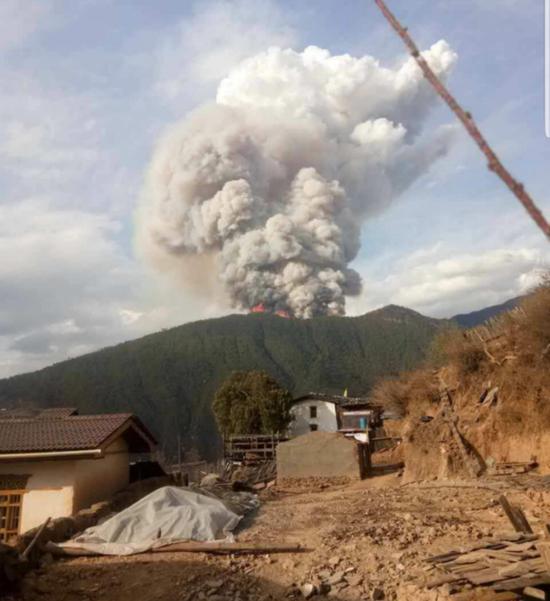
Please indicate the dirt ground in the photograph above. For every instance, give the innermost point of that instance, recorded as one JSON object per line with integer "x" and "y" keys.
{"x": 366, "y": 540}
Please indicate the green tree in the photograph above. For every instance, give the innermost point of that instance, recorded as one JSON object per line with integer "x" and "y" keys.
{"x": 251, "y": 402}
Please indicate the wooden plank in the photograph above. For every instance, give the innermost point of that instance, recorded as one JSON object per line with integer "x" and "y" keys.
{"x": 485, "y": 595}
{"x": 481, "y": 544}
{"x": 520, "y": 583}
{"x": 504, "y": 554}
{"x": 544, "y": 550}
{"x": 443, "y": 579}
{"x": 467, "y": 558}
{"x": 233, "y": 548}
{"x": 534, "y": 593}
{"x": 516, "y": 570}
{"x": 215, "y": 547}
{"x": 468, "y": 571}
{"x": 35, "y": 540}
{"x": 519, "y": 547}
{"x": 487, "y": 576}
{"x": 522, "y": 519}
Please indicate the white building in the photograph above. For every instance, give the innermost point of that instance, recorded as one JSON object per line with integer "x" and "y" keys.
{"x": 332, "y": 413}
{"x": 310, "y": 414}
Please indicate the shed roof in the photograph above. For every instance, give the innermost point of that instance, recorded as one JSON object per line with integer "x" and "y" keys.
{"x": 69, "y": 432}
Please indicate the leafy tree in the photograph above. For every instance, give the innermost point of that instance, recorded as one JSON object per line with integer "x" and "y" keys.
{"x": 251, "y": 402}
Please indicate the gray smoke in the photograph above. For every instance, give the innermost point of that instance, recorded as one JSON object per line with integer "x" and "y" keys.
{"x": 275, "y": 178}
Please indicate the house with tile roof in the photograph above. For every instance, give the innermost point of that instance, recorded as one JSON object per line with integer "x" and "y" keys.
{"x": 54, "y": 462}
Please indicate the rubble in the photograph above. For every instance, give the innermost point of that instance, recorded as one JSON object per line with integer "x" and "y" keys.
{"x": 368, "y": 539}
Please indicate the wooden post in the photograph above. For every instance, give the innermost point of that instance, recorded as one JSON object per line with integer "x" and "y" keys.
{"x": 516, "y": 516}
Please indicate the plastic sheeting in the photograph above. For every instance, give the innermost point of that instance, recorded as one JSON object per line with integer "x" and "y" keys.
{"x": 167, "y": 515}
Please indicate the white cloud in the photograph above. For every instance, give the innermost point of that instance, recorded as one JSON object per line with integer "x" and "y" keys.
{"x": 47, "y": 137}
{"x": 441, "y": 281}
{"x": 218, "y": 35}
{"x": 68, "y": 288}
{"x": 62, "y": 280}
{"x": 66, "y": 282}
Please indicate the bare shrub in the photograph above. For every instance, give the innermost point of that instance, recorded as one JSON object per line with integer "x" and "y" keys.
{"x": 415, "y": 389}
{"x": 454, "y": 346}
{"x": 391, "y": 394}
{"x": 535, "y": 325}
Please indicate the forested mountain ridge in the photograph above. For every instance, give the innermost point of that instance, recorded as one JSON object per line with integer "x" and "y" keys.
{"x": 169, "y": 378}
{"x": 470, "y": 320}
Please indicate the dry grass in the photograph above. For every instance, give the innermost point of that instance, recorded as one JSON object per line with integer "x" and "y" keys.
{"x": 415, "y": 389}
{"x": 455, "y": 347}
{"x": 513, "y": 351}
{"x": 533, "y": 333}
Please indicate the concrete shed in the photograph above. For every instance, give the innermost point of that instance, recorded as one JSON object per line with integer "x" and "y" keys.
{"x": 322, "y": 455}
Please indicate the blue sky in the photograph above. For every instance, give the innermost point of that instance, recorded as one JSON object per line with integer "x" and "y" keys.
{"x": 88, "y": 86}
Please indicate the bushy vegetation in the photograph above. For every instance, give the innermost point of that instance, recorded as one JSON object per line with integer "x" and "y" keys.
{"x": 457, "y": 347}
{"x": 415, "y": 389}
{"x": 252, "y": 402}
{"x": 520, "y": 335}
{"x": 531, "y": 330}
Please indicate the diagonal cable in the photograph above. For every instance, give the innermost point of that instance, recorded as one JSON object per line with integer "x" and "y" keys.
{"x": 494, "y": 163}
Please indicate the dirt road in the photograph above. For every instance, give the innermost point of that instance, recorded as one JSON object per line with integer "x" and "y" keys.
{"x": 367, "y": 541}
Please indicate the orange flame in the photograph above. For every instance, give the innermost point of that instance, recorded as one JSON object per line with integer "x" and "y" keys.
{"x": 259, "y": 308}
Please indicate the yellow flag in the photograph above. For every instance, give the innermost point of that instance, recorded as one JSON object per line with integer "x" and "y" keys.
{"x": 346, "y": 392}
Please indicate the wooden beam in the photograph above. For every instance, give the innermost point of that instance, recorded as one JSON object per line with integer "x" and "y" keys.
{"x": 215, "y": 547}
{"x": 232, "y": 548}
{"x": 515, "y": 515}
{"x": 35, "y": 540}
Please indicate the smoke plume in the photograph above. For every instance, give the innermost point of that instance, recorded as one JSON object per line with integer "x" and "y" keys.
{"x": 275, "y": 178}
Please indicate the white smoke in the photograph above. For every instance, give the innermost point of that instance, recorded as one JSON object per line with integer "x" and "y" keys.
{"x": 276, "y": 177}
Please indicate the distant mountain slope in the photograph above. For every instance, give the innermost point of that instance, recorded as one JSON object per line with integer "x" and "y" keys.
{"x": 169, "y": 378}
{"x": 475, "y": 318}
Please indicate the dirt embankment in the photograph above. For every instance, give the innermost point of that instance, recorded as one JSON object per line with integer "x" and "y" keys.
{"x": 498, "y": 382}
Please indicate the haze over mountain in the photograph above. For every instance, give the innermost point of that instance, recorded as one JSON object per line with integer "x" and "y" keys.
{"x": 169, "y": 378}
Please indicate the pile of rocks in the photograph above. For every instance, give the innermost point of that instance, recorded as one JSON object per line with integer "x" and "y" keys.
{"x": 340, "y": 579}
{"x": 233, "y": 588}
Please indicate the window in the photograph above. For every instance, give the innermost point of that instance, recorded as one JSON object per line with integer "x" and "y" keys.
{"x": 355, "y": 420}
{"x": 10, "y": 513}
{"x": 313, "y": 412}
{"x": 313, "y": 427}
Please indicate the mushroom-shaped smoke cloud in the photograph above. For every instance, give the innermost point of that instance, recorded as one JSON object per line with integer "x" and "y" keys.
{"x": 275, "y": 178}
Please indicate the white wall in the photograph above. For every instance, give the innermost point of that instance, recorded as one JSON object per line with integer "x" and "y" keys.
{"x": 326, "y": 420}
{"x": 59, "y": 488}
{"x": 50, "y": 490}
{"x": 98, "y": 479}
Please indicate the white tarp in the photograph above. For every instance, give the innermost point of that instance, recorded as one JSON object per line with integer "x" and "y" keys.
{"x": 167, "y": 515}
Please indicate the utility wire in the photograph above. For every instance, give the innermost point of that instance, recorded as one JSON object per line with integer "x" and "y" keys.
{"x": 494, "y": 163}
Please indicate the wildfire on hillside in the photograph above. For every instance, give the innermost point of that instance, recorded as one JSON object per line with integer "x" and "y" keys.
{"x": 261, "y": 308}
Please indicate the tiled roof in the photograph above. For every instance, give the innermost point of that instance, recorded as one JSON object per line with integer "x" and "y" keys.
{"x": 73, "y": 432}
